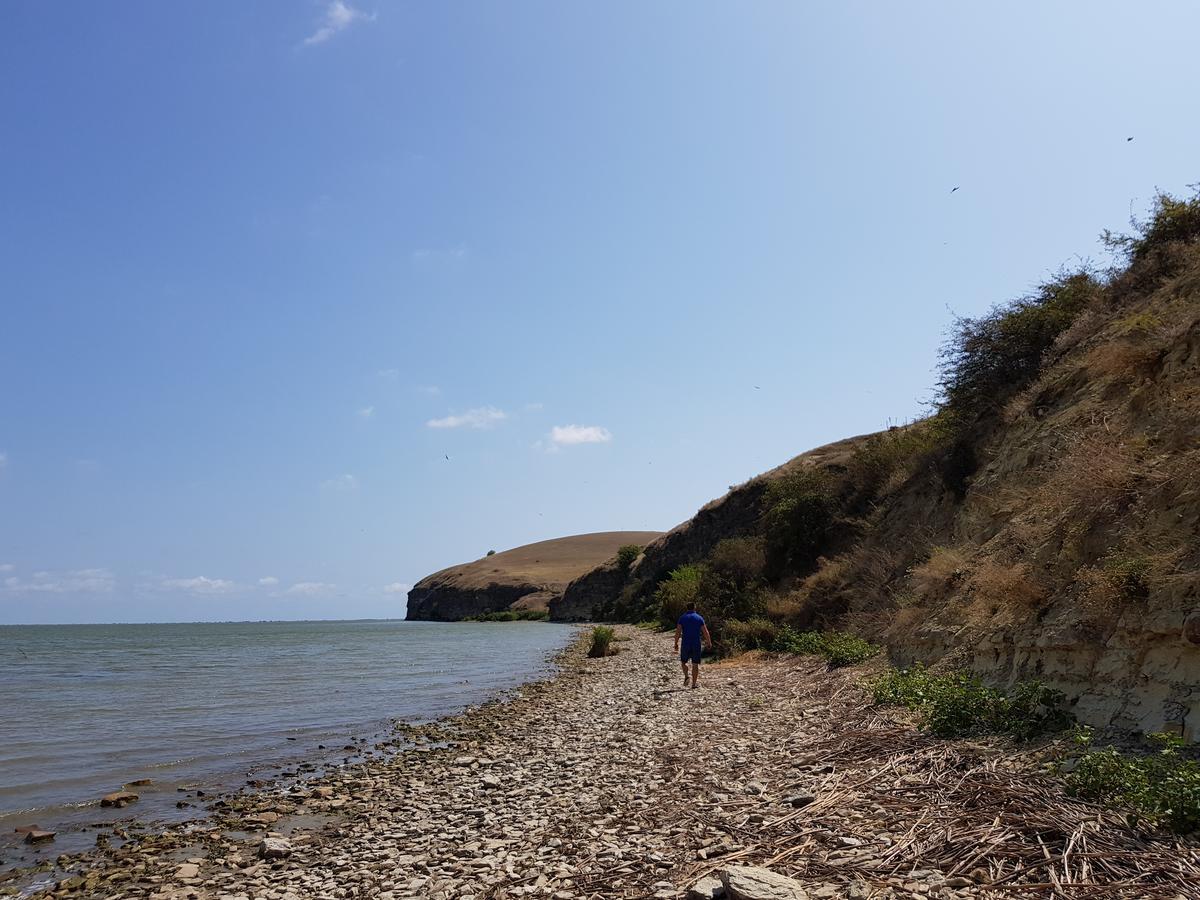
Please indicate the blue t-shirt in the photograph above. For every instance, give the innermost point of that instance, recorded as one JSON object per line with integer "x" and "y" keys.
{"x": 691, "y": 623}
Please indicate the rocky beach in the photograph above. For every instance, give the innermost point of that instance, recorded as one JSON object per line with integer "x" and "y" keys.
{"x": 776, "y": 779}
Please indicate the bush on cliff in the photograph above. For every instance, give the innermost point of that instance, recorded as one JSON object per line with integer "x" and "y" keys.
{"x": 679, "y": 589}
{"x": 731, "y": 584}
{"x": 958, "y": 704}
{"x": 797, "y": 513}
{"x": 1173, "y": 223}
{"x": 626, "y": 554}
{"x": 990, "y": 358}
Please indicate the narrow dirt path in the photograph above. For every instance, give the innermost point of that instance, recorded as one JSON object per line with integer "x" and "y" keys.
{"x": 613, "y": 781}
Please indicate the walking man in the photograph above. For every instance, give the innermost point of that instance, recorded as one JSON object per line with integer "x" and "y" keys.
{"x": 691, "y": 630}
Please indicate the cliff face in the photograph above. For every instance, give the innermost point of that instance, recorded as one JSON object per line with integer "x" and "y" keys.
{"x": 528, "y": 577}
{"x": 1051, "y": 531}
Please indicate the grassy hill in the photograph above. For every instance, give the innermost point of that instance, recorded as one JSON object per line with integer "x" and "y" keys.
{"x": 524, "y": 578}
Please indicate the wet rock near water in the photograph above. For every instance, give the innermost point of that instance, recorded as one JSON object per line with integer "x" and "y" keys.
{"x": 118, "y": 799}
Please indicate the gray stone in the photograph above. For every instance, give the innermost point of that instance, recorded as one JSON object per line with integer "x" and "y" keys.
{"x": 274, "y": 848}
{"x": 706, "y": 889}
{"x": 754, "y": 883}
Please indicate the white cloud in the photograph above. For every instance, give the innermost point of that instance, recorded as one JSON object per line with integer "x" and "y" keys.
{"x": 431, "y": 389}
{"x": 388, "y": 373}
{"x": 346, "y": 482}
{"x": 569, "y": 435}
{"x": 481, "y": 417}
{"x": 338, "y": 17}
{"x": 3, "y": 460}
{"x": 424, "y": 254}
{"x": 269, "y": 581}
{"x": 366, "y": 412}
{"x": 397, "y": 587}
{"x": 199, "y": 585}
{"x": 310, "y": 588}
{"x": 7, "y": 567}
{"x": 96, "y": 581}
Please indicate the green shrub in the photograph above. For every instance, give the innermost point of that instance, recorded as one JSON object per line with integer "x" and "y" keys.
{"x": 988, "y": 359}
{"x": 491, "y": 553}
{"x": 797, "y": 513}
{"x": 679, "y": 589}
{"x": 1171, "y": 221}
{"x": 838, "y": 648}
{"x": 754, "y": 634}
{"x": 1138, "y": 325}
{"x": 602, "y": 638}
{"x": 957, "y": 704}
{"x": 877, "y": 457}
{"x": 1162, "y": 788}
{"x": 511, "y": 615}
{"x": 626, "y": 555}
{"x": 731, "y": 583}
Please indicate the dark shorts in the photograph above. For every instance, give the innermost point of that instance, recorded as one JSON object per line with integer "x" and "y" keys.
{"x": 691, "y": 654}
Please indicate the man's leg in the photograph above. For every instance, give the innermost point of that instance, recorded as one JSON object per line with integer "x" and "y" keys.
{"x": 695, "y": 672}
{"x": 685, "y": 675}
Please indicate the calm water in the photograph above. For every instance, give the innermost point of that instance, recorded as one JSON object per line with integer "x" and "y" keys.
{"x": 84, "y": 709}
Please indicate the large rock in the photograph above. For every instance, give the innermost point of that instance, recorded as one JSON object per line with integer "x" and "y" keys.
{"x": 526, "y": 578}
{"x": 119, "y": 799}
{"x": 274, "y": 848}
{"x": 753, "y": 883}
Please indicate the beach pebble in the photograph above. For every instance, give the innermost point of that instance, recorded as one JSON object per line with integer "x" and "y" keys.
{"x": 274, "y": 848}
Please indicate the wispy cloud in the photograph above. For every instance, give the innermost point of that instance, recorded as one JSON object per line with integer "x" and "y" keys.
{"x": 3, "y": 460}
{"x": 366, "y": 412}
{"x": 269, "y": 581}
{"x": 338, "y": 17}
{"x": 391, "y": 374}
{"x": 199, "y": 585}
{"x": 431, "y": 389}
{"x": 480, "y": 417}
{"x": 570, "y": 435}
{"x": 345, "y": 482}
{"x": 397, "y": 587}
{"x": 94, "y": 581}
{"x": 310, "y": 588}
{"x": 6, "y": 567}
{"x": 427, "y": 254}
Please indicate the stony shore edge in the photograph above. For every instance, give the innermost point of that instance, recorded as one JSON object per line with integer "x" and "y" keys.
{"x": 611, "y": 780}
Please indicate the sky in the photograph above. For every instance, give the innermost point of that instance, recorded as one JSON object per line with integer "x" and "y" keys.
{"x": 302, "y": 301}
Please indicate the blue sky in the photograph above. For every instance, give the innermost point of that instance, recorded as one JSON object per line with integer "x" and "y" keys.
{"x": 263, "y": 267}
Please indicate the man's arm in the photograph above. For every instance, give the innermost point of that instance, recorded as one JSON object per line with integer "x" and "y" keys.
{"x": 704, "y": 634}
{"x": 678, "y": 635}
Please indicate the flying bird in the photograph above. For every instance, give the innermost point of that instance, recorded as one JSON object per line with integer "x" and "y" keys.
{"x": 953, "y": 189}
{"x": 1128, "y": 139}
{"x": 447, "y": 456}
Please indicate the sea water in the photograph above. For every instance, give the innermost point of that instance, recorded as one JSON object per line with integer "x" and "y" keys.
{"x": 86, "y": 709}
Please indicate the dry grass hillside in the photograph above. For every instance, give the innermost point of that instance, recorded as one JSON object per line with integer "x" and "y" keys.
{"x": 524, "y": 578}
{"x": 1043, "y": 523}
